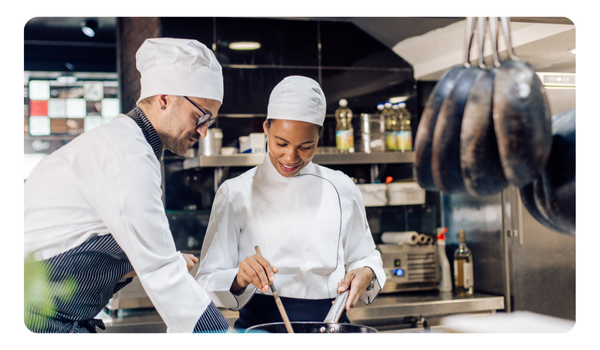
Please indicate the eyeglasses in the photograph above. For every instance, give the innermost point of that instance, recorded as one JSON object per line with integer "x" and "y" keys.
{"x": 204, "y": 118}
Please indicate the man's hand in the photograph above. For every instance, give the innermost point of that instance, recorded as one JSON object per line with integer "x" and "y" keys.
{"x": 254, "y": 270}
{"x": 358, "y": 280}
{"x": 190, "y": 260}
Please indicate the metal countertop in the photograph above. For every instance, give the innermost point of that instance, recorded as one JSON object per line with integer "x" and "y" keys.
{"x": 385, "y": 313}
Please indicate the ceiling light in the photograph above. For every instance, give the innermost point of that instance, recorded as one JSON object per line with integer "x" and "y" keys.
{"x": 244, "y": 45}
{"x": 89, "y": 27}
{"x": 398, "y": 99}
{"x": 66, "y": 79}
{"x": 572, "y": 51}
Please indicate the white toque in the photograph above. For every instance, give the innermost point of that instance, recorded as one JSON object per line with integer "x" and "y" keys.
{"x": 297, "y": 98}
{"x": 181, "y": 67}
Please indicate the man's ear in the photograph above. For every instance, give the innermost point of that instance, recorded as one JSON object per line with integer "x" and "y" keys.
{"x": 163, "y": 101}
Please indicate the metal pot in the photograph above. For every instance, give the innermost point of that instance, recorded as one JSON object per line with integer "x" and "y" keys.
{"x": 211, "y": 144}
{"x": 329, "y": 325}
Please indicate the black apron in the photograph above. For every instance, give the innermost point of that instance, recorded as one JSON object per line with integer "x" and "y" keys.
{"x": 263, "y": 309}
{"x": 97, "y": 266}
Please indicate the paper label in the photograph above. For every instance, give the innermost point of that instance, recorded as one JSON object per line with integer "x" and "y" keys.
{"x": 468, "y": 274}
{"x": 344, "y": 139}
{"x": 390, "y": 141}
{"x": 404, "y": 140}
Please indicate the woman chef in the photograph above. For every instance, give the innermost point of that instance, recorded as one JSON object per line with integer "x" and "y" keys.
{"x": 309, "y": 222}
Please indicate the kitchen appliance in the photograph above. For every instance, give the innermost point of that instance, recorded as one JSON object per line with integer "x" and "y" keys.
{"x": 409, "y": 267}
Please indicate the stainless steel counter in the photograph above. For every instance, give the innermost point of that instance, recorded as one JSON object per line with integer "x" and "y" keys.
{"x": 398, "y": 312}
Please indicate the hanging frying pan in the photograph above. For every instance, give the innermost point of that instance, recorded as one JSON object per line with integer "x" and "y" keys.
{"x": 479, "y": 158}
{"x": 554, "y": 191}
{"x": 445, "y": 151}
{"x": 424, "y": 134}
{"x": 527, "y": 197}
{"x": 522, "y": 119}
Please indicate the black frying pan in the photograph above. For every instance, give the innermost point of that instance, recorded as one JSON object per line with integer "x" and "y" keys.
{"x": 522, "y": 119}
{"x": 554, "y": 191}
{"x": 479, "y": 158}
{"x": 424, "y": 135}
{"x": 527, "y": 197}
{"x": 329, "y": 325}
{"x": 445, "y": 151}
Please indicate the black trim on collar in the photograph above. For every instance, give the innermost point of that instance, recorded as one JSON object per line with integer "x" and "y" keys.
{"x": 148, "y": 130}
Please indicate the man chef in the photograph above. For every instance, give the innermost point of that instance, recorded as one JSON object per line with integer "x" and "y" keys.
{"x": 309, "y": 222}
{"x": 93, "y": 208}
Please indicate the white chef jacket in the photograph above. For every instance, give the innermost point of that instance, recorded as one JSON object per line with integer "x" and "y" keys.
{"x": 313, "y": 227}
{"x": 108, "y": 181}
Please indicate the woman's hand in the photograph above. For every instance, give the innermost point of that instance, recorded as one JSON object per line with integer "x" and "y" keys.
{"x": 358, "y": 280}
{"x": 254, "y": 270}
{"x": 190, "y": 261}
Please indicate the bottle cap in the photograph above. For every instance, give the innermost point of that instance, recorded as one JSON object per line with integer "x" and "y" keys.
{"x": 388, "y": 104}
{"x": 343, "y": 103}
{"x": 402, "y": 104}
{"x": 380, "y": 106}
{"x": 442, "y": 234}
{"x": 395, "y": 107}
{"x": 461, "y": 236}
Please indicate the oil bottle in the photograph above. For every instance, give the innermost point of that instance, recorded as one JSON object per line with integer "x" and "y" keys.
{"x": 344, "y": 133}
{"x": 391, "y": 123}
{"x": 463, "y": 267}
{"x": 404, "y": 135}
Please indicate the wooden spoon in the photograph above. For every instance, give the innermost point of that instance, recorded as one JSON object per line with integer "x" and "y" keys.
{"x": 284, "y": 315}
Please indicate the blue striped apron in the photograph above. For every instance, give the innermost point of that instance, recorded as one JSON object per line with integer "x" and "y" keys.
{"x": 97, "y": 266}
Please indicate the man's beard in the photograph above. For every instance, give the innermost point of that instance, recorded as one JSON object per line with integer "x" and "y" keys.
{"x": 176, "y": 145}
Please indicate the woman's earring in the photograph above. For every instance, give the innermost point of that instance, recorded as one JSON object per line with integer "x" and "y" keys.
{"x": 162, "y": 107}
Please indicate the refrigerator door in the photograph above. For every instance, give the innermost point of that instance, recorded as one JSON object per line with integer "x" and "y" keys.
{"x": 542, "y": 263}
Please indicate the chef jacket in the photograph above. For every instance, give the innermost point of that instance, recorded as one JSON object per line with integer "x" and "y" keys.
{"x": 108, "y": 181}
{"x": 311, "y": 226}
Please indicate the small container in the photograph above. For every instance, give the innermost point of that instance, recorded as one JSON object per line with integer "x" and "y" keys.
{"x": 405, "y": 193}
{"x": 255, "y": 143}
{"x": 445, "y": 276}
{"x": 211, "y": 144}
{"x": 374, "y": 195}
{"x": 227, "y": 151}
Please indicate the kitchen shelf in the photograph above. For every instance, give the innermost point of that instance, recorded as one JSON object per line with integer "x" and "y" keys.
{"x": 237, "y": 160}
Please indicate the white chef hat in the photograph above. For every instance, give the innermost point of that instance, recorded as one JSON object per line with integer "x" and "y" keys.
{"x": 297, "y": 98}
{"x": 181, "y": 67}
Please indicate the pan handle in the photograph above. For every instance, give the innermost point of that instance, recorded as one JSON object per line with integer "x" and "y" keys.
{"x": 506, "y": 30}
{"x": 494, "y": 35}
{"x": 469, "y": 41}
{"x": 337, "y": 308}
{"x": 481, "y": 26}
